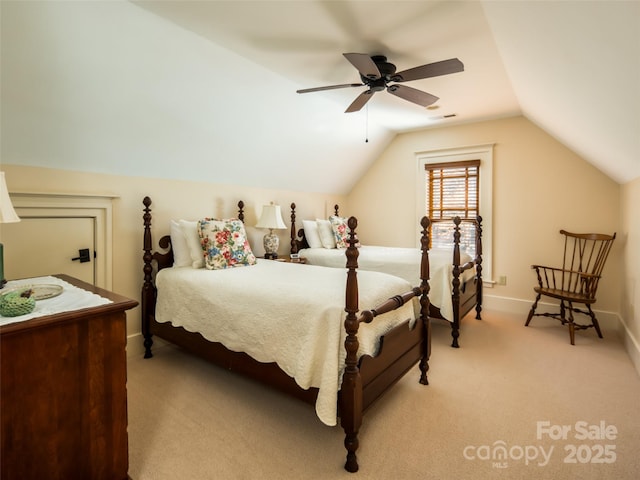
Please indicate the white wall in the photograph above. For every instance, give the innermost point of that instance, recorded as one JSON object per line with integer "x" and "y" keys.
{"x": 106, "y": 86}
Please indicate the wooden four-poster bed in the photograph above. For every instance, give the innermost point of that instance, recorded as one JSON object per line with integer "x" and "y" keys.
{"x": 362, "y": 378}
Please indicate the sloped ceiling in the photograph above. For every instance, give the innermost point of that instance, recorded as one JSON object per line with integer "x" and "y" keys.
{"x": 573, "y": 68}
{"x": 141, "y": 87}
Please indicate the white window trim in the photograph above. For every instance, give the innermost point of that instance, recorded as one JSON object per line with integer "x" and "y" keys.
{"x": 458, "y": 154}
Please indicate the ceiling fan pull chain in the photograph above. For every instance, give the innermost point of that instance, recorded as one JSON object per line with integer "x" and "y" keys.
{"x": 366, "y": 135}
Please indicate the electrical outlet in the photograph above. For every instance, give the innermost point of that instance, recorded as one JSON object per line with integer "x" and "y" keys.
{"x": 502, "y": 280}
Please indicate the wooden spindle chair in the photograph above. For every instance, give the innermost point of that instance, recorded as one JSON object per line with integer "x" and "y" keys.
{"x": 576, "y": 282}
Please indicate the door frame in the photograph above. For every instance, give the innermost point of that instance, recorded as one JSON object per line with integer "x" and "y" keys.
{"x": 57, "y": 205}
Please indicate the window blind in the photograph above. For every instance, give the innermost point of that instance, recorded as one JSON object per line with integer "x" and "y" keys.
{"x": 453, "y": 190}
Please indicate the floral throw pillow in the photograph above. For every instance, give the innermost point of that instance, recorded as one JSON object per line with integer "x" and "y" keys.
{"x": 225, "y": 243}
{"x": 341, "y": 231}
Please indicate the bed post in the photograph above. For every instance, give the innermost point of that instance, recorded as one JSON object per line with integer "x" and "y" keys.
{"x": 241, "y": 211}
{"x": 148, "y": 297}
{"x": 294, "y": 244}
{"x": 455, "y": 295}
{"x": 351, "y": 391}
{"x": 335, "y": 210}
{"x": 424, "y": 301}
{"x": 478, "y": 267}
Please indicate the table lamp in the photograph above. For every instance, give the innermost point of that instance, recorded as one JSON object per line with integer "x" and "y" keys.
{"x": 7, "y": 215}
{"x": 271, "y": 218}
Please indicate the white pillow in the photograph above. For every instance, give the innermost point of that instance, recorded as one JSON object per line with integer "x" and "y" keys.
{"x": 311, "y": 233}
{"x": 326, "y": 233}
{"x": 181, "y": 254}
{"x": 190, "y": 231}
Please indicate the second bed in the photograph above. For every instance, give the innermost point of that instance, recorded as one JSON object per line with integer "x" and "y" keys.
{"x": 456, "y": 276}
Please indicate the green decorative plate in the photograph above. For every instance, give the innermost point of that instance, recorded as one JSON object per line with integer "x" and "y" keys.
{"x": 41, "y": 291}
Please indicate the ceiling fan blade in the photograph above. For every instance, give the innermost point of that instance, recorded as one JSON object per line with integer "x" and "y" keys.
{"x": 330, "y": 87}
{"x": 445, "y": 67}
{"x": 412, "y": 94}
{"x": 364, "y": 64}
{"x": 360, "y": 101}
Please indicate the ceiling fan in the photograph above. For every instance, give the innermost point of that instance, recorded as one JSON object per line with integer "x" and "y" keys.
{"x": 376, "y": 73}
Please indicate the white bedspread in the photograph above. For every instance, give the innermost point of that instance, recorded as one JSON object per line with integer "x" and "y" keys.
{"x": 279, "y": 312}
{"x": 403, "y": 263}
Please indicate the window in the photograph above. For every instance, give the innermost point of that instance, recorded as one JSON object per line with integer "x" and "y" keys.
{"x": 485, "y": 192}
{"x": 452, "y": 189}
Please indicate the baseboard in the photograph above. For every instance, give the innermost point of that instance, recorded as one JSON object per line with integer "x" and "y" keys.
{"x": 608, "y": 320}
{"x": 631, "y": 344}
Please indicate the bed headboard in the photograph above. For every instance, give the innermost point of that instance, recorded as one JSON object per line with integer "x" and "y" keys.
{"x": 298, "y": 240}
{"x": 164, "y": 258}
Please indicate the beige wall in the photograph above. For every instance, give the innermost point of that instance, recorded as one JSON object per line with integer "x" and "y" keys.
{"x": 630, "y": 302}
{"x": 171, "y": 199}
{"x": 539, "y": 187}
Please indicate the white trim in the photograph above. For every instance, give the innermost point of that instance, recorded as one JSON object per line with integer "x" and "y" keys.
{"x": 608, "y": 320}
{"x": 520, "y": 307}
{"x": 62, "y": 195}
{"x": 631, "y": 344}
{"x": 457, "y": 154}
{"x": 98, "y": 207}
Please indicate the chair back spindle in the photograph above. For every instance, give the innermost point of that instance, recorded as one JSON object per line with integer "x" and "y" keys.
{"x": 584, "y": 253}
{"x": 576, "y": 282}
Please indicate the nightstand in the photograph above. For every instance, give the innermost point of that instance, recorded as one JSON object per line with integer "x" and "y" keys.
{"x": 288, "y": 259}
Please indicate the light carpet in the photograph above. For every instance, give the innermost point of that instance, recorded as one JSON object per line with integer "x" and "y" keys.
{"x": 513, "y": 402}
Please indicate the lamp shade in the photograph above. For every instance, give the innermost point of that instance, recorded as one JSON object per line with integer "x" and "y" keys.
{"x": 271, "y": 217}
{"x": 7, "y": 213}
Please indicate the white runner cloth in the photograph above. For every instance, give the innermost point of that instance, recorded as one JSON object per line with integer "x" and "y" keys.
{"x": 71, "y": 298}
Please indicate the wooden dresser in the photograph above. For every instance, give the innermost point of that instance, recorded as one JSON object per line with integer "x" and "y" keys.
{"x": 63, "y": 398}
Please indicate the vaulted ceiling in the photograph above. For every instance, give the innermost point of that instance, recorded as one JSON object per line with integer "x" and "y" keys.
{"x": 139, "y": 87}
{"x": 573, "y": 68}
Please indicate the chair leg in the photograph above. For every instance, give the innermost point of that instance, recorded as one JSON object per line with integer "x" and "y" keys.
{"x": 532, "y": 311}
{"x": 572, "y": 330}
{"x": 596, "y": 325}
{"x": 572, "y": 334}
